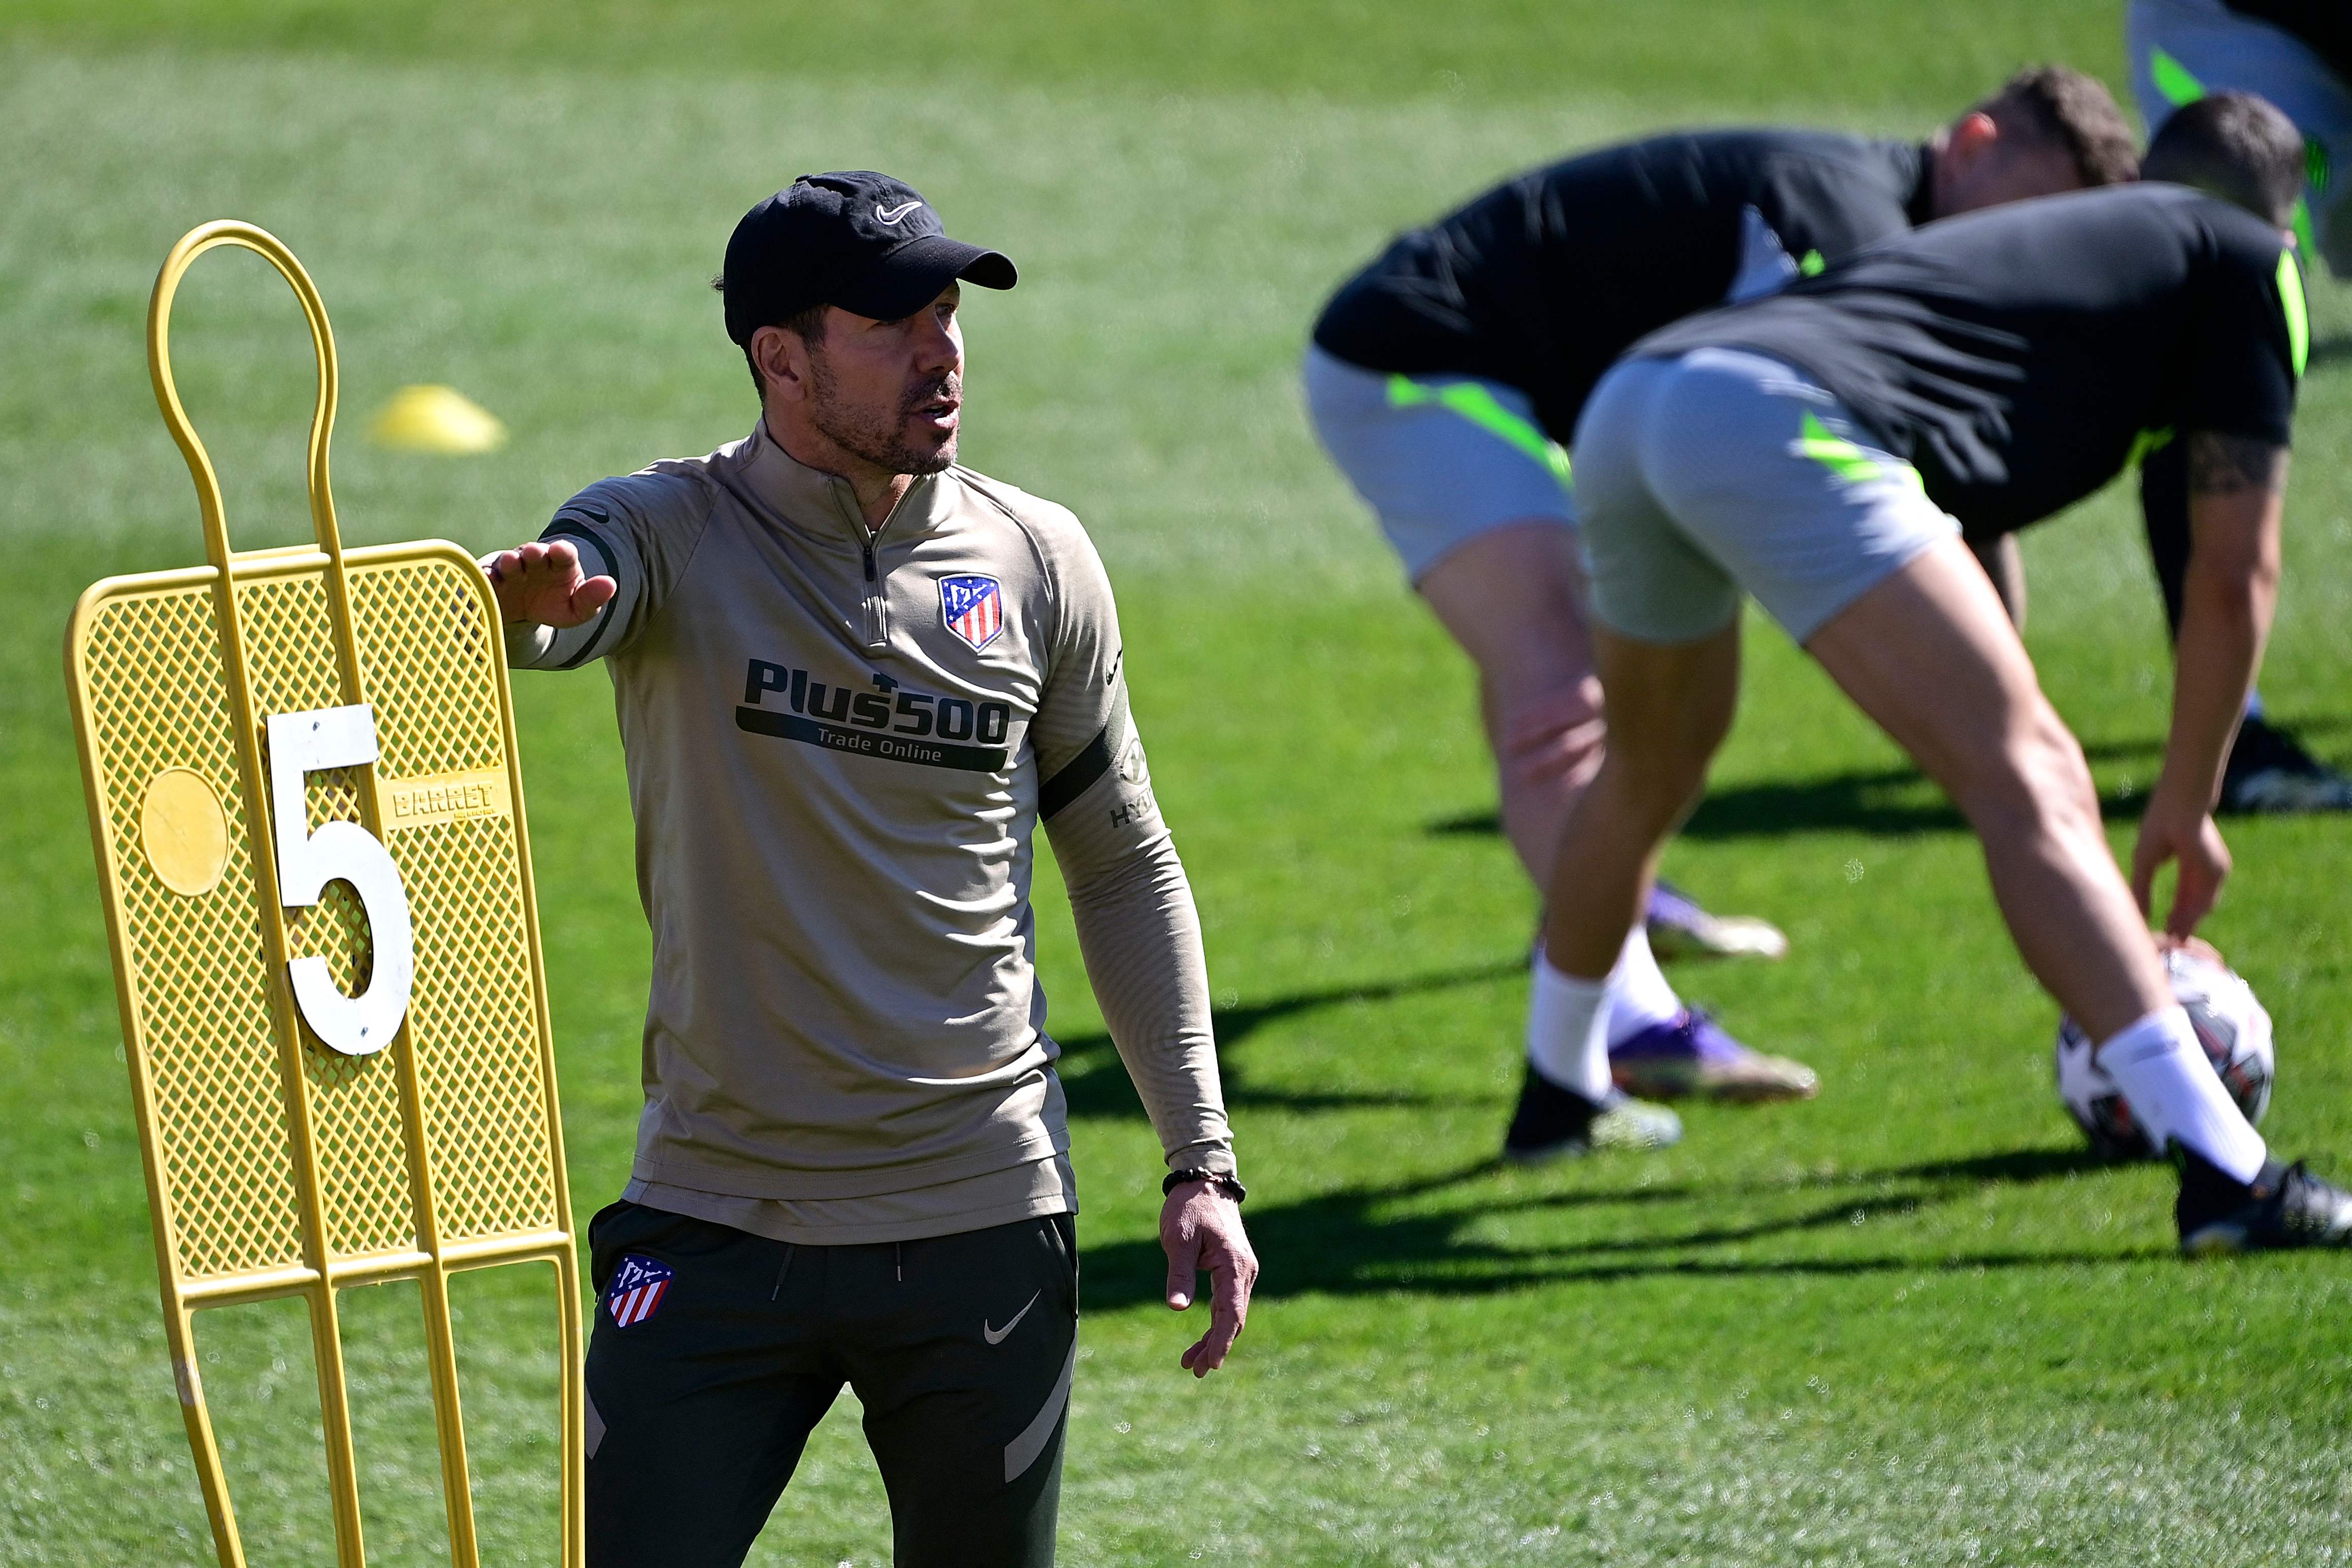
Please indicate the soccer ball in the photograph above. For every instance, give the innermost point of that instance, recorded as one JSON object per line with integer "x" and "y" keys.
{"x": 2229, "y": 1024}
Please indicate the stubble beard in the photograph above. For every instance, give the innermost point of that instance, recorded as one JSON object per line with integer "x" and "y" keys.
{"x": 878, "y": 439}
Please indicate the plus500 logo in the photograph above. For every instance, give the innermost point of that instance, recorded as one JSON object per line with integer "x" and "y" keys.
{"x": 890, "y": 708}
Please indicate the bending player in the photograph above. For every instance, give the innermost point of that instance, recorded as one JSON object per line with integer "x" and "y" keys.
{"x": 1443, "y": 376}
{"x": 2014, "y": 357}
{"x": 2268, "y": 769}
{"x": 2298, "y": 55}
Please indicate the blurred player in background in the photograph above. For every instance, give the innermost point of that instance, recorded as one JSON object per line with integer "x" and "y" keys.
{"x": 1444, "y": 380}
{"x": 2298, "y": 55}
{"x": 1822, "y": 448}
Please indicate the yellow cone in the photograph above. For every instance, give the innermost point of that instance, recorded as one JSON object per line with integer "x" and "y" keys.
{"x": 436, "y": 419}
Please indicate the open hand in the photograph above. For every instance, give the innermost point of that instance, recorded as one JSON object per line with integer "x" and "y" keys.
{"x": 542, "y": 582}
{"x": 1201, "y": 1228}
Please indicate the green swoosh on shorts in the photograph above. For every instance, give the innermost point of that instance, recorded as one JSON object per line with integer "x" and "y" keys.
{"x": 1478, "y": 406}
{"x": 1846, "y": 460}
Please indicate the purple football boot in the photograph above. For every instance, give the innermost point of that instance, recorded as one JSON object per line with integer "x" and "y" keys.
{"x": 1680, "y": 929}
{"x": 1692, "y": 1055}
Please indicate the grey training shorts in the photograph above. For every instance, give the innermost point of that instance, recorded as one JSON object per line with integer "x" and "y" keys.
{"x": 1439, "y": 459}
{"x": 1719, "y": 469}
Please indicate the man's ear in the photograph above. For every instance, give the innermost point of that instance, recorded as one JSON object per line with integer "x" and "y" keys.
{"x": 1973, "y": 135}
{"x": 782, "y": 358}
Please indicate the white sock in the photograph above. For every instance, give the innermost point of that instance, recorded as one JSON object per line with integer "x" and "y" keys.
{"x": 2175, "y": 1093}
{"x": 1639, "y": 995}
{"x": 1567, "y": 1035}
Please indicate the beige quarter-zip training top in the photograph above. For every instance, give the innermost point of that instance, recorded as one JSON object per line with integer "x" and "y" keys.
{"x": 838, "y": 742}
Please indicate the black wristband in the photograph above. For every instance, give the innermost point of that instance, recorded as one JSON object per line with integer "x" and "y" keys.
{"x": 1227, "y": 1185}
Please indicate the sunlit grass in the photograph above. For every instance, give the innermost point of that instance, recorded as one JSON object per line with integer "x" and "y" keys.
{"x": 1905, "y": 1320}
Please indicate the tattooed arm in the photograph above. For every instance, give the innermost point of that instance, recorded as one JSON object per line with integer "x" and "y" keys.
{"x": 2233, "y": 465}
{"x": 2236, "y": 491}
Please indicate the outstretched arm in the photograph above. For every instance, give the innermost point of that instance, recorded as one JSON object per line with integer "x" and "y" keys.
{"x": 601, "y": 569}
{"x": 564, "y": 597}
{"x": 542, "y": 582}
{"x": 2236, "y": 496}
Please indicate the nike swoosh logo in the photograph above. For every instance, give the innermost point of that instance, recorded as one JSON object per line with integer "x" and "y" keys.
{"x": 893, "y": 216}
{"x": 996, "y": 1336}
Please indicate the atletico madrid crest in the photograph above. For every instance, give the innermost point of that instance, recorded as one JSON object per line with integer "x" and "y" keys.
{"x": 973, "y": 608}
{"x": 638, "y": 1289}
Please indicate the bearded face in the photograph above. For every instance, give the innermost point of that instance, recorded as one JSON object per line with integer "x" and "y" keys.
{"x": 903, "y": 423}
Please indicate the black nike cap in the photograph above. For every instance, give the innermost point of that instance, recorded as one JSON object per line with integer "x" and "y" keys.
{"x": 863, "y": 241}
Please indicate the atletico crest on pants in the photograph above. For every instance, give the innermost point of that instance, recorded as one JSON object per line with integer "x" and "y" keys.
{"x": 638, "y": 1289}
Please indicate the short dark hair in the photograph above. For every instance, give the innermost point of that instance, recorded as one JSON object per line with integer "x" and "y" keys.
{"x": 2063, "y": 108}
{"x": 807, "y": 325}
{"x": 2235, "y": 146}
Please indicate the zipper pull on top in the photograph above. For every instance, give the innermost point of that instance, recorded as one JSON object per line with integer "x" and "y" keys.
{"x": 877, "y": 608}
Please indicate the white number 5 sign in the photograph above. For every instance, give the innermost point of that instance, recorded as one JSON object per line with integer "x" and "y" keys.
{"x": 311, "y": 743}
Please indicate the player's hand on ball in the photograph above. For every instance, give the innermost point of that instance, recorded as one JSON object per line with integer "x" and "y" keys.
{"x": 2186, "y": 835}
{"x": 1200, "y": 1229}
{"x": 542, "y": 582}
{"x": 2195, "y": 947}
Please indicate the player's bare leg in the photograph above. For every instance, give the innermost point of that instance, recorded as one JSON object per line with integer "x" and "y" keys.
{"x": 1672, "y": 705}
{"x": 1514, "y": 598}
{"x": 1930, "y": 655}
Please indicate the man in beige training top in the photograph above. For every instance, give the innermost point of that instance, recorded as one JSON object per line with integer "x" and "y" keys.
{"x": 851, "y": 675}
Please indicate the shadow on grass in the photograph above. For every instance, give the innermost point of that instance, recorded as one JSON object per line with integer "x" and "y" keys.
{"x": 1353, "y": 1243}
{"x": 1356, "y": 1240}
{"x": 2016, "y": 1166}
{"x": 1096, "y": 1085}
{"x": 1889, "y": 801}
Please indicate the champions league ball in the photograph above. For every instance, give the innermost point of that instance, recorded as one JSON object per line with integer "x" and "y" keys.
{"x": 2229, "y": 1024}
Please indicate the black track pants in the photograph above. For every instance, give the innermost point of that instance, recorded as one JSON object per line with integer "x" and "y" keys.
{"x": 714, "y": 1352}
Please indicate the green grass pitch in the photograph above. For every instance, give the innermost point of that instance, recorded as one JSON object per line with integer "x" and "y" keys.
{"x": 1905, "y": 1323}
